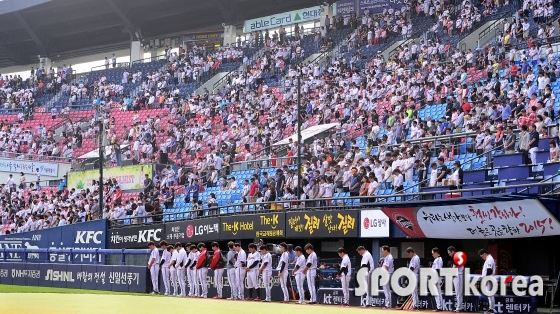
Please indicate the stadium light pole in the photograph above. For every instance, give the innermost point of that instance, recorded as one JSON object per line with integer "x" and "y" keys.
{"x": 298, "y": 134}
{"x": 101, "y": 161}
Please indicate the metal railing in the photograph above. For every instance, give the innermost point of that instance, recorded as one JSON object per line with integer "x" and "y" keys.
{"x": 148, "y": 60}
{"x": 343, "y": 203}
{"x": 110, "y": 66}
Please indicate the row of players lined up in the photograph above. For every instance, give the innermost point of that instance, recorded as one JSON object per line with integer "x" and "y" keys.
{"x": 195, "y": 260}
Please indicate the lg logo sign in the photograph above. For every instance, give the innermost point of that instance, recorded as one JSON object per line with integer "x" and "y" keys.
{"x": 86, "y": 237}
{"x": 149, "y": 235}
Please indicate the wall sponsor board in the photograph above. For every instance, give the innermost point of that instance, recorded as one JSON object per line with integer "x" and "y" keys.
{"x": 128, "y": 177}
{"x": 282, "y": 19}
{"x": 510, "y": 219}
{"x": 94, "y": 277}
{"x": 253, "y": 226}
{"x": 377, "y": 6}
{"x": 374, "y": 224}
{"x": 328, "y": 224}
{"x": 29, "y": 167}
{"x": 136, "y": 237}
{"x": 85, "y": 235}
{"x": 206, "y": 229}
{"x": 345, "y": 7}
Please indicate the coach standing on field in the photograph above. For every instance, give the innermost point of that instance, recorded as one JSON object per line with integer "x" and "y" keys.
{"x": 390, "y": 267}
{"x": 164, "y": 265}
{"x": 367, "y": 262}
{"x": 240, "y": 264}
{"x": 153, "y": 266}
{"x": 457, "y": 281}
{"x": 217, "y": 265}
{"x": 310, "y": 271}
{"x": 230, "y": 266}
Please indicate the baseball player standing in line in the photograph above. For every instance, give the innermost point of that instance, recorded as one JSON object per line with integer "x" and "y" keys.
{"x": 489, "y": 269}
{"x": 298, "y": 273}
{"x": 344, "y": 273}
{"x": 180, "y": 265}
{"x": 202, "y": 269}
{"x": 240, "y": 264}
{"x": 195, "y": 255}
{"x": 153, "y": 266}
{"x": 188, "y": 270}
{"x": 414, "y": 266}
{"x": 282, "y": 269}
{"x": 266, "y": 271}
{"x": 437, "y": 265}
{"x": 217, "y": 265}
{"x": 367, "y": 262}
{"x": 390, "y": 267}
{"x": 164, "y": 265}
{"x": 252, "y": 269}
{"x": 457, "y": 282}
{"x": 173, "y": 270}
{"x": 232, "y": 277}
{"x": 310, "y": 271}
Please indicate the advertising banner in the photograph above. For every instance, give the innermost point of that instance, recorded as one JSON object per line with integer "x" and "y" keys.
{"x": 377, "y": 6}
{"x": 29, "y": 167}
{"x": 136, "y": 237}
{"x": 328, "y": 224}
{"x": 345, "y": 7}
{"x": 128, "y": 177}
{"x": 282, "y": 19}
{"x": 499, "y": 220}
{"x": 504, "y": 304}
{"x": 253, "y": 226}
{"x": 94, "y": 277}
{"x": 374, "y": 224}
{"x": 85, "y": 235}
{"x": 205, "y": 229}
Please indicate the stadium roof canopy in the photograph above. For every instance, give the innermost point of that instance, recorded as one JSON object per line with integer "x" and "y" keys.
{"x": 62, "y": 29}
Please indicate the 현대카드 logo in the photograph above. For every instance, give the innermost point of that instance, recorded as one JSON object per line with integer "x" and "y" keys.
{"x": 427, "y": 280}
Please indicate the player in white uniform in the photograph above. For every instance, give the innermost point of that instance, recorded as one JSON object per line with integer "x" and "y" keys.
{"x": 345, "y": 273}
{"x": 489, "y": 269}
{"x": 180, "y": 266}
{"x": 164, "y": 265}
{"x": 437, "y": 265}
{"x": 367, "y": 262}
{"x": 188, "y": 268}
{"x": 240, "y": 264}
{"x": 153, "y": 266}
{"x": 252, "y": 269}
{"x": 194, "y": 255}
{"x": 390, "y": 267}
{"x": 457, "y": 282}
{"x": 266, "y": 271}
{"x": 282, "y": 269}
{"x": 173, "y": 270}
{"x": 414, "y": 266}
{"x": 298, "y": 273}
{"x": 231, "y": 274}
{"x": 310, "y": 271}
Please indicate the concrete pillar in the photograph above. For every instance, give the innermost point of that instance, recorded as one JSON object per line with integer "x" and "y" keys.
{"x": 45, "y": 63}
{"x": 136, "y": 51}
{"x": 230, "y": 32}
{"x": 375, "y": 251}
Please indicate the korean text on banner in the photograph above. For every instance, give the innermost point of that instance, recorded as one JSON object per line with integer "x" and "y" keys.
{"x": 335, "y": 224}
{"x": 253, "y": 226}
{"x": 511, "y": 219}
{"x": 29, "y": 167}
{"x": 345, "y": 7}
{"x": 377, "y": 6}
{"x": 128, "y": 177}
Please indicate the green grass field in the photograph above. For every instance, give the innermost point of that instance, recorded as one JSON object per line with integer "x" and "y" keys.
{"x": 38, "y": 300}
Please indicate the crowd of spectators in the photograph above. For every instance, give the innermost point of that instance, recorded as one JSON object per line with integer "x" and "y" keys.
{"x": 490, "y": 93}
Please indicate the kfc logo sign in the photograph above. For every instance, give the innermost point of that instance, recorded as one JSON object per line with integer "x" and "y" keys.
{"x": 86, "y": 237}
{"x": 149, "y": 235}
